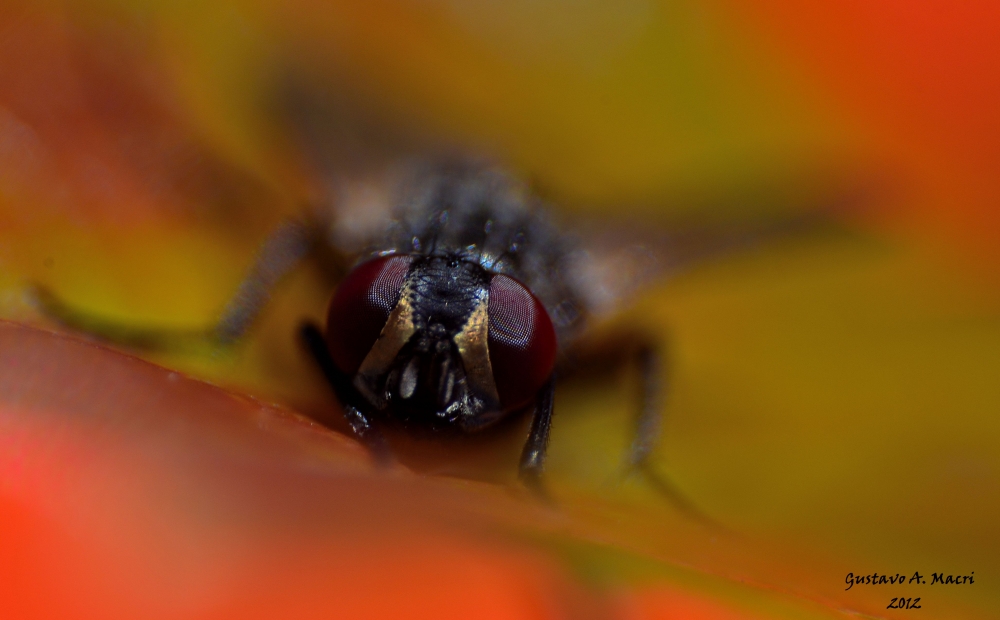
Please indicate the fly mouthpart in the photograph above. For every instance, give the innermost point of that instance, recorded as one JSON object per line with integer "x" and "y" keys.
{"x": 429, "y": 375}
{"x": 408, "y": 380}
{"x": 446, "y": 384}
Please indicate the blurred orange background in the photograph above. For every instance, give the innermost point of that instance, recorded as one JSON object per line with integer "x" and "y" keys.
{"x": 834, "y": 398}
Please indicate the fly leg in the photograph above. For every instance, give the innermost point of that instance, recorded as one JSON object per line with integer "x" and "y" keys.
{"x": 361, "y": 423}
{"x": 648, "y": 425}
{"x": 533, "y": 455}
{"x": 648, "y": 420}
{"x": 283, "y": 250}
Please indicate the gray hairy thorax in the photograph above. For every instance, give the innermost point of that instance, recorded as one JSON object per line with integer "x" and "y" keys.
{"x": 480, "y": 214}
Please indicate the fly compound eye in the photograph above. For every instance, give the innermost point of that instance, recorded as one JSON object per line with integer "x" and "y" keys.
{"x": 522, "y": 341}
{"x": 360, "y": 307}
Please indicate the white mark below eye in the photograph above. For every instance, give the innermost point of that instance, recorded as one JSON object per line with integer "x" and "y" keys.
{"x": 408, "y": 382}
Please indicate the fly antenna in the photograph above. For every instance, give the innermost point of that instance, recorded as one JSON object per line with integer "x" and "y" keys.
{"x": 432, "y": 246}
{"x": 438, "y": 222}
{"x": 499, "y": 259}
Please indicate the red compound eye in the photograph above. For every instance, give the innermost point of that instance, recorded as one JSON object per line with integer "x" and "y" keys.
{"x": 360, "y": 308}
{"x": 522, "y": 341}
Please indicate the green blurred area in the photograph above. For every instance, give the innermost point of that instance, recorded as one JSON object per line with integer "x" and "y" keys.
{"x": 833, "y": 397}
{"x": 642, "y": 104}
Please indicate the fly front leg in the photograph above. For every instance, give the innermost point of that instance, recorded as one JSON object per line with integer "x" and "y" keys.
{"x": 535, "y": 449}
{"x": 356, "y": 411}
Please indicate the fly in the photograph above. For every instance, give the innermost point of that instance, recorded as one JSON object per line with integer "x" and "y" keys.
{"x": 454, "y": 316}
{"x": 461, "y": 305}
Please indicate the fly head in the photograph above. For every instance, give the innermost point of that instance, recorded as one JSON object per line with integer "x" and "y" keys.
{"x": 439, "y": 341}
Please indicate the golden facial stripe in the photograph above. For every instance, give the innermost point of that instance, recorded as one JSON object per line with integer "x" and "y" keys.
{"x": 397, "y": 332}
{"x": 472, "y": 346}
